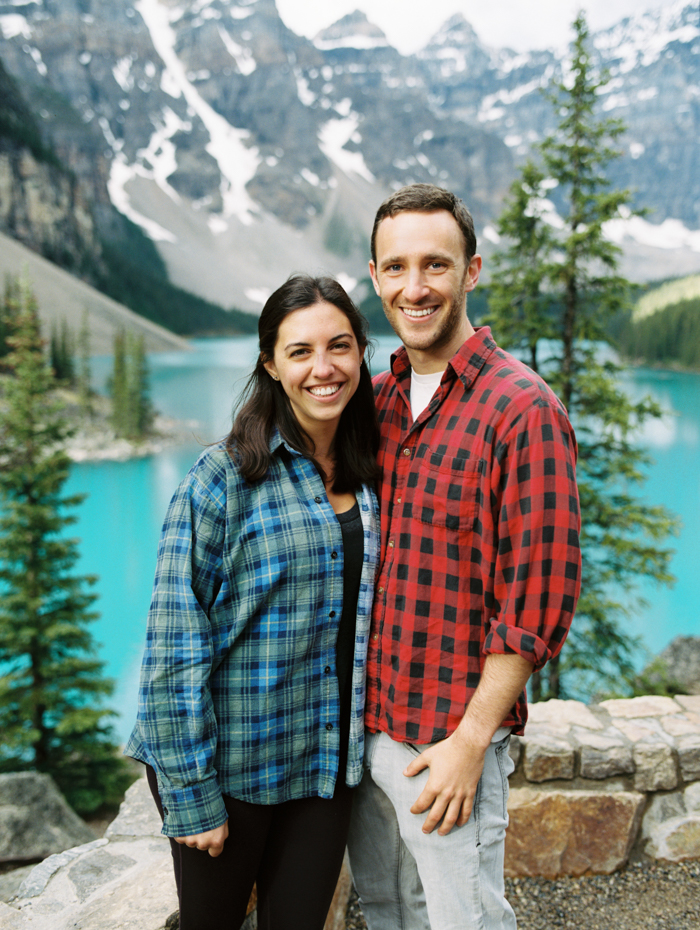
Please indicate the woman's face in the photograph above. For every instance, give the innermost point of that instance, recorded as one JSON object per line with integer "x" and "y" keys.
{"x": 317, "y": 361}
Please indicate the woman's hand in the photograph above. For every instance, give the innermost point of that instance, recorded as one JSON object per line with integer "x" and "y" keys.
{"x": 211, "y": 841}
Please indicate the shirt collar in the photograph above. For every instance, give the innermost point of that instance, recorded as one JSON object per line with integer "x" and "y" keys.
{"x": 465, "y": 364}
{"x": 277, "y": 443}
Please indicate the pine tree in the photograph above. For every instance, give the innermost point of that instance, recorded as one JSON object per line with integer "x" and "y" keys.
{"x": 579, "y": 289}
{"x": 118, "y": 386}
{"x": 139, "y": 402}
{"x": 51, "y": 683}
{"x": 61, "y": 353}
{"x": 84, "y": 375}
{"x": 132, "y": 412}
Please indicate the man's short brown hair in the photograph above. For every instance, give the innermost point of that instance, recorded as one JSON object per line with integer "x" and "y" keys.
{"x": 427, "y": 198}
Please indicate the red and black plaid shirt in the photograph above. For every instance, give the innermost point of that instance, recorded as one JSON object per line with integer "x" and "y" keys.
{"x": 480, "y": 537}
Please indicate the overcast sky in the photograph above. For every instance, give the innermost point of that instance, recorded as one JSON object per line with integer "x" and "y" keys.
{"x": 517, "y": 24}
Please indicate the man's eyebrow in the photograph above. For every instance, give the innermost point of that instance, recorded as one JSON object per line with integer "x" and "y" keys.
{"x": 430, "y": 257}
{"x": 302, "y": 345}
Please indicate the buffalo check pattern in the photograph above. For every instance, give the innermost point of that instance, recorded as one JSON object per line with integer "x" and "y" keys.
{"x": 479, "y": 537}
{"x": 239, "y": 692}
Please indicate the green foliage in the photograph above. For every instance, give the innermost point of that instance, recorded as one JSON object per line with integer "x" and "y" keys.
{"x": 132, "y": 411}
{"x": 61, "y": 353}
{"x": 51, "y": 683}
{"x": 669, "y": 336}
{"x": 555, "y": 293}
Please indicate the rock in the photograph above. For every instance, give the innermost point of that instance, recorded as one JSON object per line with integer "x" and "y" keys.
{"x": 563, "y": 714}
{"x": 554, "y": 833}
{"x": 680, "y": 661}
{"x": 548, "y": 757}
{"x": 138, "y": 814}
{"x": 676, "y": 840}
{"x": 650, "y": 706}
{"x": 655, "y": 767}
{"x": 689, "y": 757}
{"x": 10, "y": 882}
{"x": 35, "y": 820}
{"x": 603, "y": 756}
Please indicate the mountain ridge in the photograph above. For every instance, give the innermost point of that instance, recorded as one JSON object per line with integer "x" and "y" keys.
{"x": 247, "y": 152}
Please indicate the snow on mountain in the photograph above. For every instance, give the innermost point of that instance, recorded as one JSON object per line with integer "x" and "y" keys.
{"x": 247, "y": 152}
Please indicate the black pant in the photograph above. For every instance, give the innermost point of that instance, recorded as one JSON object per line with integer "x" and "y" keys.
{"x": 292, "y": 851}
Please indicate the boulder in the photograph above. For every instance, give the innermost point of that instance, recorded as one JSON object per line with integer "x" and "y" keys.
{"x": 555, "y": 833}
{"x": 679, "y": 663}
{"x": 35, "y": 820}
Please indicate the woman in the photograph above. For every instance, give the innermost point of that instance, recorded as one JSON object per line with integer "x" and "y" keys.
{"x": 252, "y": 685}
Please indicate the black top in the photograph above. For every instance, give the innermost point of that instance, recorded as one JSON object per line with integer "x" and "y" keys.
{"x": 353, "y": 555}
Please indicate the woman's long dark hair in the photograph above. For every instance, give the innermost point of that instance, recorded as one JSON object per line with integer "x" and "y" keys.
{"x": 264, "y": 405}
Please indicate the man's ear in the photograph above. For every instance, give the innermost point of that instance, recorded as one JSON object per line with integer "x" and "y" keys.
{"x": 373, "y": 275}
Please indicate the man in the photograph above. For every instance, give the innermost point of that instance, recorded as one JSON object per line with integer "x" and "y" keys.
{"x": 478, "y": 581}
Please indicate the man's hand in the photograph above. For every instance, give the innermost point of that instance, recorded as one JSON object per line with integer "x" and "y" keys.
{"x": 211, "y": 841}
{"x": 455, "y": 770}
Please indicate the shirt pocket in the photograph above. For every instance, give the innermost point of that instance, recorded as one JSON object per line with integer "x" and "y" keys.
{"x": 447, "y": 492}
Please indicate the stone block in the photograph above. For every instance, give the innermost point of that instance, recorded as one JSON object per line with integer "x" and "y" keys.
{"x": 663, "y": 807}
{"x": 555, "y": 833}
{"x": 563, "y": 715}
{"x": 689, "y": 702}
{"x": 689, "y": 757}
{"x": 676, "y": 840}
{"x": 655, "y": 767}
{"x": 548, "y": 758}
{"x": 35, "y": 820}
{"x": 692, "y": 797}
{"x": 649, "y": 706}
{"x": 603, "y": 756}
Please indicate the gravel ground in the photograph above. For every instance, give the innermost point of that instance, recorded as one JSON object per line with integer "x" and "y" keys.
{"x": 648, "y": 896}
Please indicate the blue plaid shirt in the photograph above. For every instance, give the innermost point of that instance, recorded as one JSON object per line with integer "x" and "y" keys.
{"x": 239, "y": 693}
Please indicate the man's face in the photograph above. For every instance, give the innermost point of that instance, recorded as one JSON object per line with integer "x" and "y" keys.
{"x": 422, "y": 277}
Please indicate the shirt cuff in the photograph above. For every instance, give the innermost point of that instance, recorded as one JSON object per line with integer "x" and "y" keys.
{"x": 503, "y": 639}
{"x": 192, "y": 809}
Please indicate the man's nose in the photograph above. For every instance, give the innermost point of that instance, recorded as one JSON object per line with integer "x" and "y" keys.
{"x": 416, "y": 287}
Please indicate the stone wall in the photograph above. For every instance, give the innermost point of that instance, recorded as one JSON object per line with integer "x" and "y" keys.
{"x": 594, "y": 787}
{"x": 597, "y": 785}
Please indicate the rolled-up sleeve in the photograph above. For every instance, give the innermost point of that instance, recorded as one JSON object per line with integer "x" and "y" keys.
{"x": 538, "y": 559}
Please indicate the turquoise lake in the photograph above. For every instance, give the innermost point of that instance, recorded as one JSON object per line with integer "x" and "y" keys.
{"x": 119, "y": 523}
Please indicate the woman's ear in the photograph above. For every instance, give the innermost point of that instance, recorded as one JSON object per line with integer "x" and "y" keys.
{"x": 271, "y": 369}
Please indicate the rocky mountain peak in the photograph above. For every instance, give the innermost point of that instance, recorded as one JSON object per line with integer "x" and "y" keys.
{"x": 352, "y": 31}
{"x": 456, "y": 31}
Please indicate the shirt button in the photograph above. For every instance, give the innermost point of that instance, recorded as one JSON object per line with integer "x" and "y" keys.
{"x": 332, "y": 614}
{"x": 398, "y": 500}
{"x": 375, "y": 637}
{"x": 406, "y": 451}
{"x": 334, "y": 555}
{"x": 327, "y": 670}
{"x": 380, "y": 590}
{"x": 317, "y": 499}
{"x": 391, "y": 543}
{"x": 329, "y": 726}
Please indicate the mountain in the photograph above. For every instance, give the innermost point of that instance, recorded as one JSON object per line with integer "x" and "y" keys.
{"x": 246, "y": 152}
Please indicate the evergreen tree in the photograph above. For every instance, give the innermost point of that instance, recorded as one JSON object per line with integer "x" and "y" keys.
{"x": 51, "y": 684}
{"x": 579, "y": 290}
{"x": 132, "y": 412}
{"x": 84, "y": 374}
{"x": 61, "y": 353}
{"x": 517, "y": 301}
{"x": 139, "y": 401}
{"x": 118, "y": 386}
{"x": 8, "y": 312}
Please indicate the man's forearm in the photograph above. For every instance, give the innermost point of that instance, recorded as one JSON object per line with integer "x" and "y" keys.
{"x": 502, "y": 681}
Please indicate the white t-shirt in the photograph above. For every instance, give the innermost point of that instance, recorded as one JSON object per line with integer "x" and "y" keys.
{"x": 422, "y": 389}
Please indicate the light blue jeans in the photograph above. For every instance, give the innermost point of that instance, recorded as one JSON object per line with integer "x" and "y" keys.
{"x": 409, "y": 880}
